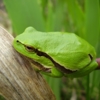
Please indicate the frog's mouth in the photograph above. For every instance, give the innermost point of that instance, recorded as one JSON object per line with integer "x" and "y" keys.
{"x": 41, "y": 67}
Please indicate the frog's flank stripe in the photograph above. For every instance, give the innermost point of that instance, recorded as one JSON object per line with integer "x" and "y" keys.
{"x": 58, "y": 66}
{"x": 40, "y": 53}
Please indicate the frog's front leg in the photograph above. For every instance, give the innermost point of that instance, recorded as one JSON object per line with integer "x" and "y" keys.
{"x": 45, "y": 70}
{"x": 38, "y": 67}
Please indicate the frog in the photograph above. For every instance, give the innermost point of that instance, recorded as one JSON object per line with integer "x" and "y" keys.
{"x": 56, "y": 54}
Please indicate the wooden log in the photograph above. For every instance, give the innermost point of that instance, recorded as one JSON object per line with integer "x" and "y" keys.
{"x": 18, "y": 80}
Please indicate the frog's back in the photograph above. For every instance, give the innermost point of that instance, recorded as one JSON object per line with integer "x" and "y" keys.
{"x": 65, "y": 48}
{"x": 54, "y": 42}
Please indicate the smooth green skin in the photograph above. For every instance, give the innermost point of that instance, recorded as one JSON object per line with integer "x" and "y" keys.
{"x": 66, "y": 49}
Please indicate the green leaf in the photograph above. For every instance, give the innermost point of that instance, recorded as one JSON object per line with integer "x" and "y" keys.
{"x": 92, "y": 34}
{"x": 77, "y": 15}
{"x": 25, "y": 13}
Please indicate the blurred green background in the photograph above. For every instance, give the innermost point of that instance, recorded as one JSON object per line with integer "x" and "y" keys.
{"x": 79, "y": 16}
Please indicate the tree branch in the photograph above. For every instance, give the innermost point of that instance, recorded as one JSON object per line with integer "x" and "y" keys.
{"x": 18, "y": 80}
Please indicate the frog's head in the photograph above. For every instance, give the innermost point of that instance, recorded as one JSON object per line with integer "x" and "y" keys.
{"x": 24, "y": 43}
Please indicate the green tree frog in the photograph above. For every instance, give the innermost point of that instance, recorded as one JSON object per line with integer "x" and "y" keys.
{"x": 56, "y": 53}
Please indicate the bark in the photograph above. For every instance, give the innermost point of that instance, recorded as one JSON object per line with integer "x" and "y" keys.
{"x": 18, "y": 80}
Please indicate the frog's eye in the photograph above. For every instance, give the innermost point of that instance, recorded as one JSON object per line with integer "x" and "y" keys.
{"x": 29, "y": 48}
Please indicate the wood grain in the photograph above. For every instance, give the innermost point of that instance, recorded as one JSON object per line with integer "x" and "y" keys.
{"x": 18, "y": 80}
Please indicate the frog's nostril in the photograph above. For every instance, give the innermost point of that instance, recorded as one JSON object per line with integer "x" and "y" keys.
{"x": 17, "y": 41}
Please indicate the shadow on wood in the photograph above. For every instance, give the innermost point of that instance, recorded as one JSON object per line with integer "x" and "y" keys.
{"x": 18, "y": 81}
